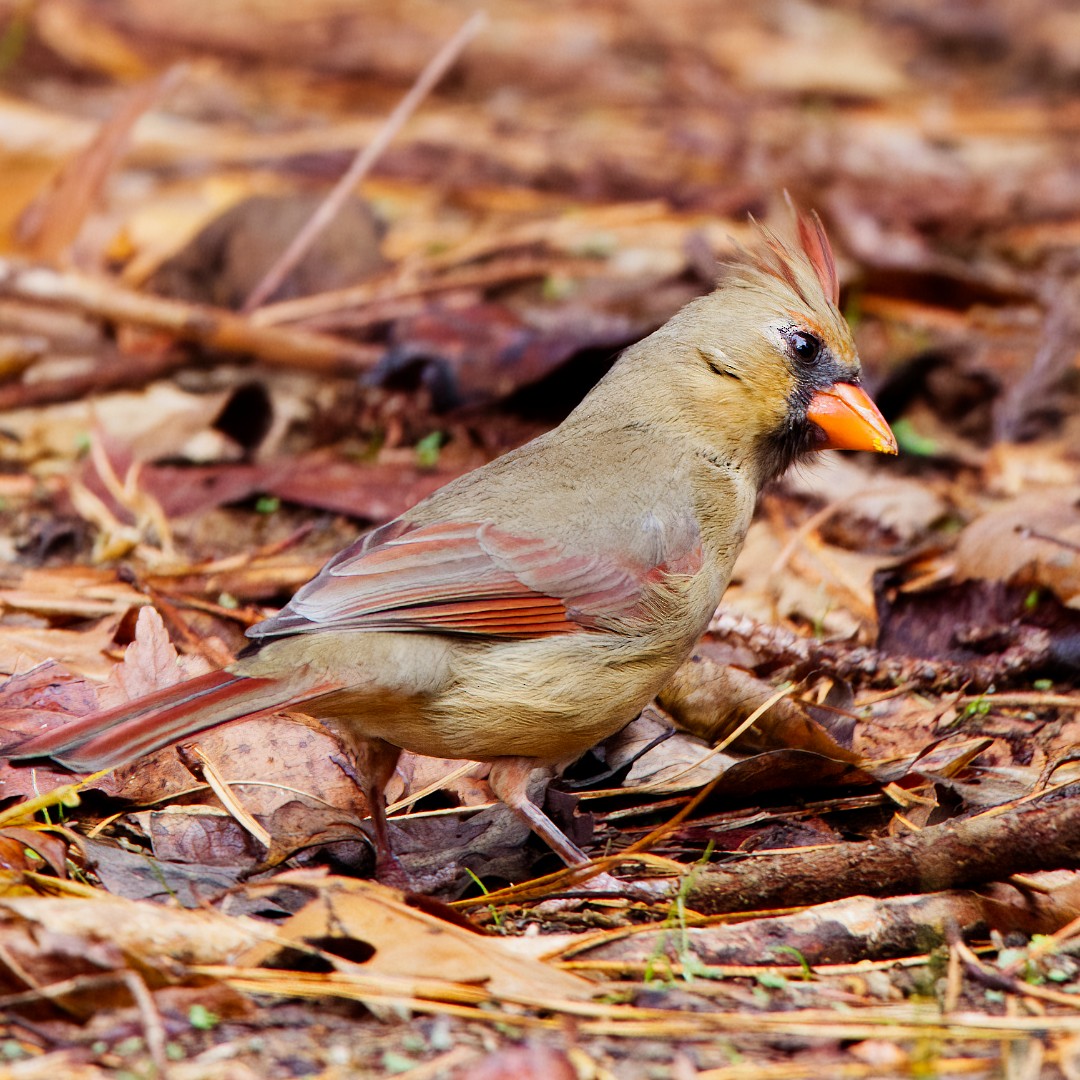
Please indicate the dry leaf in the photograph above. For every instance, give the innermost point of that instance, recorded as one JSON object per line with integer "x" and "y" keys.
{"x": 345, "y": 915}
{"x": 150, "y": 663}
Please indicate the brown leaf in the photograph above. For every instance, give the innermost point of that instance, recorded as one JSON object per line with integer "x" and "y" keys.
{"x": 201, "y": 835}
{"x": 150, "y": 663}
{"x": 51, "y": 846}
{"x": 155, "y": 934}
{"x": 345, "y": 916}
{"x": 679, "y": 763}
{"x": 33, "y": 702}
{"x": 1026, "y": 543}
{"x": 81, "y": 651}
{"x": 486, "y": 351}
{"x": 711, "y": 700}
{"x": 304, "y": 823}
{"x": 224, "y": 262}
{"x": 265, "y": 760}
{"x": 139, "y": 876}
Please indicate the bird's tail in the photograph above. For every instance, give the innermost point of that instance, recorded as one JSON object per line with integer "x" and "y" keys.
{"x": 104, "y": 740}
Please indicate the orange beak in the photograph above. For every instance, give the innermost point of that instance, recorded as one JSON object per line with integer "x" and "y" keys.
{"x": 850, "y": 420}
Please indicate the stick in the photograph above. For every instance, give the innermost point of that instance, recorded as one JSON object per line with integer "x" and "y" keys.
{"x": 363, "y": 162}
{"x": 954, "y": 855}
{"x": 213, "y": 328}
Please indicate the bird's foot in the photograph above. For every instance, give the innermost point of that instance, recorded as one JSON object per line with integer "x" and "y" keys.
{"x": 390, "y": 872}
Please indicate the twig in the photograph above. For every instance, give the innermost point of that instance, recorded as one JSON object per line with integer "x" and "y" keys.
{"x": 153, "y": 1028}
{"x": 111, "y": 371}
{"x": 870, "y": 666}
{"x": 202, "y": 768}
{"x": 1006, "y": 982}
{"x": 859, "y": 930}
{"x": 954, "y": 855}
{"x": 338, "y": 307}
{"x": 363, "y": 162}
{"x": 210, "y": 327}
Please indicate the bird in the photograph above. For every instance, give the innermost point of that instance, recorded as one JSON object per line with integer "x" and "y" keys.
{"x": 531, "y": 608}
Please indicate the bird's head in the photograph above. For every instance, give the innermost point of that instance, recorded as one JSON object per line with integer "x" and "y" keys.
{"x": 770, "y": 356}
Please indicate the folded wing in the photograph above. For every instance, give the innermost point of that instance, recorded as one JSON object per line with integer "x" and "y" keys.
{"x": 472, "y": 578}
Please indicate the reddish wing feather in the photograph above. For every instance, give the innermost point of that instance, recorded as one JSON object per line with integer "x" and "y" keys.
{"x": 464, "y": 578}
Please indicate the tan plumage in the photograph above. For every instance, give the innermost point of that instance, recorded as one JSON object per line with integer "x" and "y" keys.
{"x": 529, "y": 609}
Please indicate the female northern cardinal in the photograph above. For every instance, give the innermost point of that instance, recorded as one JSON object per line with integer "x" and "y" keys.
{"x": 528, "y": 610}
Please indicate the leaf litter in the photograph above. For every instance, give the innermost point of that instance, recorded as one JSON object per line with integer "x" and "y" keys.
{"x": 172, "y": 470}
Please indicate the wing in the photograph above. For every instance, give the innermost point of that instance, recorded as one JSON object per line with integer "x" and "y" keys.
{"x": 473, "y": 578}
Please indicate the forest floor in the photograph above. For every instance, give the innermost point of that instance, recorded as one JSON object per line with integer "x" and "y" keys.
{"x": 877, "y": 877}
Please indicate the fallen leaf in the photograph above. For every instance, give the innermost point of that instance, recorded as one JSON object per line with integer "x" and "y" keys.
{"x": 345, "y": 919}
{"x": 150, "y": 663}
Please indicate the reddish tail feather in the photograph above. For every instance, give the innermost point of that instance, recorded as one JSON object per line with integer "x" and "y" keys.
{"x": 106, "y": 739}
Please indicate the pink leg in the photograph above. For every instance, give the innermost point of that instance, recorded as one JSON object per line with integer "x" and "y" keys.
{"x": 509, "y": 778}
{"x": 376, "y": 761}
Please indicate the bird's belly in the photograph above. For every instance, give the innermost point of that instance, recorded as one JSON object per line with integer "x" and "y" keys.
{"x": 550, "y": 699}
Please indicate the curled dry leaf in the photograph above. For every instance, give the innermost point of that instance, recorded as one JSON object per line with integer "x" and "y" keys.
{"x": 344, "y": 915}
{"x": 1031, "y": 542}
{"x": 155, "y": 935}
{"x": 679, "y": 763}
{"x": 711, "y": 700}
{"x": 19, "y": 844}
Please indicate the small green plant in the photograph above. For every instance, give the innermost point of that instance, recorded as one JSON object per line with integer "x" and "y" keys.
{"x": 818, "y": 628}
{"x": 558, "y": 287}
{"x": 911, "y": 442}
{"x": 495, "y": 916}
{"x": 394, "y": 1063}
{"x": 598, "y": 245}
{"x": 12, "y": 1050}
{"x": 772, "y": 980}
{"x": 427, "y": 450}
{"x": 202, "y": 1019}
{"x": 790, "y": 950}
{"x": 688, "y": 960}
{"x": 980, "y": 706}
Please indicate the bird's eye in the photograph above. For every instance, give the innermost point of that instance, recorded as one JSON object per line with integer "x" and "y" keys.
{"x": 803, "y": 346}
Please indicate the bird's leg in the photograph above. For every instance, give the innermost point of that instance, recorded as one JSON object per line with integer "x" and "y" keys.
{"x": 376, "y": 761}
{"x": 509, "y": 780}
